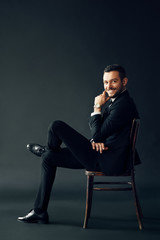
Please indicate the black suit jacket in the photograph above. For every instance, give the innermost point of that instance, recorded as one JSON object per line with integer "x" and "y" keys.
{"x": 113, "y": 129}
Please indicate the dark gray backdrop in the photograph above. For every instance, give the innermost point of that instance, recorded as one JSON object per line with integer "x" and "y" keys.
{"x": 52, "y": 56}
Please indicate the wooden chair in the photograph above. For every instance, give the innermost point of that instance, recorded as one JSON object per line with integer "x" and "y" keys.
{"x": 126, "y": 185}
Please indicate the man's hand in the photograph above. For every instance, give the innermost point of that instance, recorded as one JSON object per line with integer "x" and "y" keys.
{"x": 98, "y": 147}
{"x": 101, "y": 99}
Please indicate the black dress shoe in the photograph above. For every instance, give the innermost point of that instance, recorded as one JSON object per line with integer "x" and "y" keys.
{"x": 36, "y": 149}
{"x": 33, "y": 217}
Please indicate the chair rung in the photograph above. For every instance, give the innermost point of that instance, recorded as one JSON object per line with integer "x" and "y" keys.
{"x": 112, "y": 183}
{"x": 112, "y": 189}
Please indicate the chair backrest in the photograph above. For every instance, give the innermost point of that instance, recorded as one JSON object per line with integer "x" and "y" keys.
{"x": 133, "y": 138}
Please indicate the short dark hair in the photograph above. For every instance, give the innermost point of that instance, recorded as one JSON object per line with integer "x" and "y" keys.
{"x": 118, "y": 68}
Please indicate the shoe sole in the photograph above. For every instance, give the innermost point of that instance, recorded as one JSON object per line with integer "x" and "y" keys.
{"x": 38, "y": 221}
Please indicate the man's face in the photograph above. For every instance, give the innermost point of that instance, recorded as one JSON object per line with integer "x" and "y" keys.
{"x": 113, "y": 84}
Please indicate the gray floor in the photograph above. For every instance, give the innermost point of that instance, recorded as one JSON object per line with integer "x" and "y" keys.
{"x": 113, "y": 214}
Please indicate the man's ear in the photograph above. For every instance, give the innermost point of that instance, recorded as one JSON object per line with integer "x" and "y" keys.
{"x": 125, "y": 81}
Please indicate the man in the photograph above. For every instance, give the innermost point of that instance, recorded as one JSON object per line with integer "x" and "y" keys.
{"x": 107, "y": 151}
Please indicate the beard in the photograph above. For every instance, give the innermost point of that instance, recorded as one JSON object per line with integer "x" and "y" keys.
{"x": 114, "y": 92}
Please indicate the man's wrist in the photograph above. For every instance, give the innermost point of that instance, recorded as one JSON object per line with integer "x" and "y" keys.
{"x": 97, "y": 110}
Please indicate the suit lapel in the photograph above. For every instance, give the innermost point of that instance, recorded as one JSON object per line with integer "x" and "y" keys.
{"x": 109, "y": 104}
{"x": 107, "y": 110}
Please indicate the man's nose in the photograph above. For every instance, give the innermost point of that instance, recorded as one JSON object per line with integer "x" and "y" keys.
{"x": 109, "y": 85}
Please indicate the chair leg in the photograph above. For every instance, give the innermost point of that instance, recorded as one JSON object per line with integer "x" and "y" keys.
{"x": 137, "y": 205}
{"x": 89, "y": 194}
{"x": 139, "y": 208}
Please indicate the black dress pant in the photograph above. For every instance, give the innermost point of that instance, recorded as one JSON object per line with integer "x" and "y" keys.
{"x": 78, "y": 154}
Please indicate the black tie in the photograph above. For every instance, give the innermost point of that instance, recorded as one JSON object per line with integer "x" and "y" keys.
{"x": 110, "y": 103}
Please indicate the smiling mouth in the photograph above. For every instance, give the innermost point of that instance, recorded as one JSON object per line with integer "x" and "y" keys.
{"x": 111, "y": 90}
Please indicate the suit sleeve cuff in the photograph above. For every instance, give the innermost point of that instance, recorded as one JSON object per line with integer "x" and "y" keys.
{"x": 97, "y": 113}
